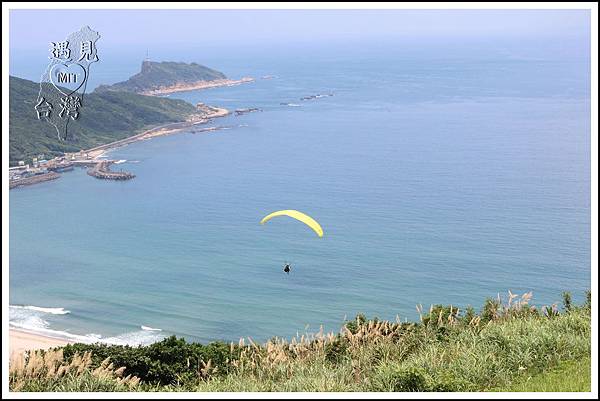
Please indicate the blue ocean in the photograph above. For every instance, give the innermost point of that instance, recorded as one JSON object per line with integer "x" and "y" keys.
{"x": 439, "y": 173}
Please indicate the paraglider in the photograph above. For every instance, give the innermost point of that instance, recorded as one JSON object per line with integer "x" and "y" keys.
{"x": 304, "y": 218}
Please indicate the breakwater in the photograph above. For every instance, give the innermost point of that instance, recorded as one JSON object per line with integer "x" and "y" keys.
{"x": 33, "y": 179}
{"x": 102, "y": 170}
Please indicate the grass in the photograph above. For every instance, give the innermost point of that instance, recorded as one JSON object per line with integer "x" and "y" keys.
{"x": 466, "y": 360}
{"x": 47, "y": 371}
{"x": 508, "y": 346}
{"x": 568, "y": 376}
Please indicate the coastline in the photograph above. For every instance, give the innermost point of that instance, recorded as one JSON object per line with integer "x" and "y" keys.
{"x": 161, "y": 130}
{"x": 196, "y": 86}
{"x": 20, "y": 341}
{"x": 204, "y": 114}
{"x": 90, "y": 158}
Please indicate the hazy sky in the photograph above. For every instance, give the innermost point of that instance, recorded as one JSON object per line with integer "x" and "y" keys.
{"x": 30, "y": 29}
{"x": 211, "y": 36}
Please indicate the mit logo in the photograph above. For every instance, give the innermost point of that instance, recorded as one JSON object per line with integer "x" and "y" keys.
{"x": 67, "y": 77}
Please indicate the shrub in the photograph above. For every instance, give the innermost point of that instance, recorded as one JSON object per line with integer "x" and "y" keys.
{"x": 588, "y": 300}
{"x": 336, "y": 350}
{"x": 440, "y": 315}
{"x": 468, "y": 316}
{"x": 490, "y": 310}
{"x": 398, "y": 378}
{"x": 355, "y": 324}
{"x": 170, "y": 361}
{"x": 567, "y": 301}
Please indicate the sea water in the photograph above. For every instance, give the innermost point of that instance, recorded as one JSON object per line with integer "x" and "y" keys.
{"x": 440, "y": 175}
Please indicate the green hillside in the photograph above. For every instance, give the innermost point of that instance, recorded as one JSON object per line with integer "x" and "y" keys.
{"x": 155, "y": 75}
{"x": 508, "y": 345}
{"x": 105, "y": 117}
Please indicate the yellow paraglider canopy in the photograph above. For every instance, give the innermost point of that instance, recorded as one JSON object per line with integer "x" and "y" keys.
{"x": 309, "y": 221}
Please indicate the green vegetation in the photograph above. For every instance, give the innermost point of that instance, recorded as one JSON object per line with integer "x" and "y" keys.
{"x": 105, "y": 117}
{"x": 169, "y": 361}
{"x": 569, "y": 376}
{"x": 47, "y": 371}
{"x": 155, "y": 75}
{"x": 449, "y": 349}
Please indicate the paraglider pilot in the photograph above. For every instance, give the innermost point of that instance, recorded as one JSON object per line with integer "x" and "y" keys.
{"x": 287, "y": 268}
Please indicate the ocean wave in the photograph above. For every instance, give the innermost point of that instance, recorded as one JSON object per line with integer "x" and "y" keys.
{"x": 147, "y": 328}
{"x": 291, "y": 104}
{"x": 134, "y": 338}
{"x": 120, "y": 161}
{"x": 30, "y": 319}
{"x": 52, "y": 311}
{"x": 58, "y": 334}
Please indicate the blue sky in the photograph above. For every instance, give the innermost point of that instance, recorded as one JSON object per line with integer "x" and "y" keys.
{"x": 30, "y": 29}
{"x": 211, "y": 36}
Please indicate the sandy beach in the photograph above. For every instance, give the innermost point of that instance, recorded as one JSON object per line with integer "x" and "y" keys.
{"x": 20, "y": 341}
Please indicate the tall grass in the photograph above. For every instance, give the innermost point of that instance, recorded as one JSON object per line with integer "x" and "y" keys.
{"x": 47, "y": 371}
{"x": 449, "y": 349}
{"x": 445, "y": 354}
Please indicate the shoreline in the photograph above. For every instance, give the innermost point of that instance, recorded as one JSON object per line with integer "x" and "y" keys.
{"x": 93, "y": 155}
{"x": 20, "y": 340}
{"x": 161, "y": 130}
{"x": 204, "y": 115}
{"x": 196, "y": 86}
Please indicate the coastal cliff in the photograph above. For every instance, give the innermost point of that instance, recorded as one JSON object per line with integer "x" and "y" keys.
{"x": 114, "y": 112}
{"x": 158, "y": 78}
